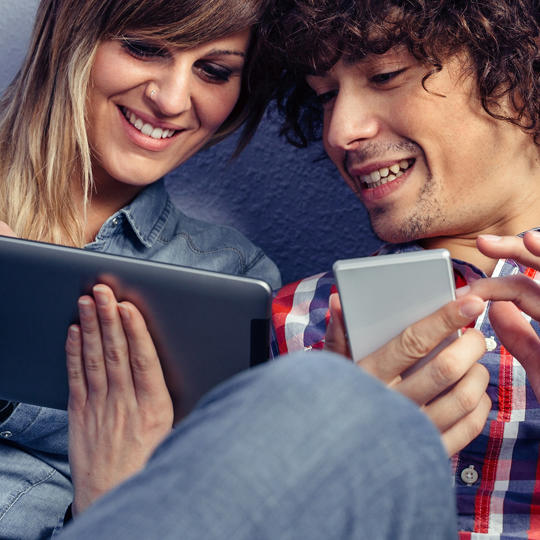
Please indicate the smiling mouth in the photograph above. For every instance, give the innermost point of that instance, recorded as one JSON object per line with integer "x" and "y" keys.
{"x": 145, "y": 128}
{"x": 384, "y": 175}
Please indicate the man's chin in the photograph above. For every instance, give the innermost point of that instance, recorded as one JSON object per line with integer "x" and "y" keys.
{"x": 400, "y": 233}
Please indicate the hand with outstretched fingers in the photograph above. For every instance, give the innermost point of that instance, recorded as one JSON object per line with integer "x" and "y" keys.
{"x": 511, "y": 296}
{"x": 119, "y": 406}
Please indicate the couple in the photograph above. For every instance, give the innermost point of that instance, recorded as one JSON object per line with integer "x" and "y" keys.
{"x": 435, "y": 128}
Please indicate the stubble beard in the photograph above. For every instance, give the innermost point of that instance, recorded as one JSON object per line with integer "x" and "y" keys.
{"x": 419, "y": 223}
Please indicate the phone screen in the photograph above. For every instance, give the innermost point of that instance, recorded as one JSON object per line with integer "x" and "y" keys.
{"x": 383, "y": 295}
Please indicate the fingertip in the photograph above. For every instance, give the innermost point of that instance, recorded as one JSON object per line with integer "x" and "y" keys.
{"x": 532, "y": 241}
{"x": 5, "y": 230}
{"x": 101, "y": 287}
{"x": 462, "y": 291}
{"x": 491, "y": 238}
{"x": 471, "y": 306}
{"x": 333, "y": 299}
{"x": 103, "y": 294}
{"x": 473, "y": 333}
{"x": 73, "y": 340}
{"x": 125, "y": 311}
{"x": 74, "y": 332}
{"x": 85, "y": 302}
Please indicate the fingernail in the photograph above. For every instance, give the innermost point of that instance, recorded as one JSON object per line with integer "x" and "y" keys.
{"x": 472, "y": 307}
{"x": 462, "y": 291}
{"x": 84, "y": 305}
{"x": 490, "y": 237}
{"x": 100, "y": 295}
{"x": 73, "y": 332}
{"x": 536, "y": 234}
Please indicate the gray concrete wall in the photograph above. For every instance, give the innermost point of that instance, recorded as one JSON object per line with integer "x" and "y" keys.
{"x": 290, "y": 202}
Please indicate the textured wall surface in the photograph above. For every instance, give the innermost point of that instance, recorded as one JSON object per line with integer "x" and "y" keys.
{"x": 290, "y": 202}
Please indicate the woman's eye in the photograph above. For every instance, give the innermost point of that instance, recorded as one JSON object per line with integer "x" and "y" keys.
{"x": 383, "y": 78}
{"x": 214, "y": 72}
{"x": 326, "y": 97}
{"x": 142, "y": 49}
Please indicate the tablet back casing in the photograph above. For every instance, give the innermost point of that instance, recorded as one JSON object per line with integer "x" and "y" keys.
{"x": 206, "y": 326}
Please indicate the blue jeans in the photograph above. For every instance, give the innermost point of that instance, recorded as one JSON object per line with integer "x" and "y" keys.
{"x": 307, "y": 446}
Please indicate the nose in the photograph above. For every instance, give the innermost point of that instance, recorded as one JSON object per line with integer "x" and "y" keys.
{"x": 173, "y": 90}
{"x": 352, "y": 119}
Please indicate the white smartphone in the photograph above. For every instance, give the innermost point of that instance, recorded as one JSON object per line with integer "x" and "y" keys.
{"x": 383, "y": 295}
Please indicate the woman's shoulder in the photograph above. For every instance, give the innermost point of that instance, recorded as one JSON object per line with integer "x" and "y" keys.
{"x": 215, "y": 246}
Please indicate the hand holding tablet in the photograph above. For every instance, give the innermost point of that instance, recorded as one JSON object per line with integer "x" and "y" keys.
{"x": 206, "y": 326}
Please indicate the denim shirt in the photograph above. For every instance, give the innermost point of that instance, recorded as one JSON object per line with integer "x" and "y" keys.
{"x": 35, "y": 486}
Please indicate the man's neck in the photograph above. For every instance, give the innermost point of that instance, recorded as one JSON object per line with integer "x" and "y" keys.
{"x": 463, "y": 249}
{"x": 519, "y": 216}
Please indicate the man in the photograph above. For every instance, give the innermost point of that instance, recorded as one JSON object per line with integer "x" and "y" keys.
{"x": 430, "y": 111}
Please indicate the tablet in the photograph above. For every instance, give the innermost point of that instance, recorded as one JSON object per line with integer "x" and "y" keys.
{"x": 206, "y": 326}
{"x": 383, "y": 295}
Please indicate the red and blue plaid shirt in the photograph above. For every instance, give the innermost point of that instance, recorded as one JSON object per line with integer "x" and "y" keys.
{"x": 497, "y": 476}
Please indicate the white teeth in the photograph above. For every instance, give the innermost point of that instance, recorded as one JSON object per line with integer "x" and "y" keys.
{"x": 386, "y": 174}
{"x": 147, "y": 129}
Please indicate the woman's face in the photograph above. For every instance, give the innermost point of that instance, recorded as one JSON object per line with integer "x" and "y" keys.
{"x": 150, "y": 106}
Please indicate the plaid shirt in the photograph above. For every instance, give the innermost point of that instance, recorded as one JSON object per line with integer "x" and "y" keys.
{"x": 497, "y": 476}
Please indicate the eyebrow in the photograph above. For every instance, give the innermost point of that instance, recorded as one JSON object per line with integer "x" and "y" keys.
{"x": 217, "y": 52}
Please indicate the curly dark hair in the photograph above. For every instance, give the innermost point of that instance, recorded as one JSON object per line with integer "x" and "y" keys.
{"x": 500, "y": 36}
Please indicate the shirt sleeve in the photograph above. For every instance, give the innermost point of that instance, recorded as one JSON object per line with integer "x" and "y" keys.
{"x": 300, "y": 314}
{"x": 262, "y": 267}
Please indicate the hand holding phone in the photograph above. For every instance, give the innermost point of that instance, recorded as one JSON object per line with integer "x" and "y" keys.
{"x": 386, "y": 297}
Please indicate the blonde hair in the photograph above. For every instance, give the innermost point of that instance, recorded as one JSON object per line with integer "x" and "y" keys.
{"x": 43, "y": 141}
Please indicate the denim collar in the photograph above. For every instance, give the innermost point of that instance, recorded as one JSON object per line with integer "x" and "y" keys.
{"x": 147, "y": 213}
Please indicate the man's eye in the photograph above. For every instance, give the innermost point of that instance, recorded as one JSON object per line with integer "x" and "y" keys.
{"x": 142, "y": 49}
{"x": 326, "y": 97}
{"x": 214, "y": 72}
{"x": 383, "y": 78}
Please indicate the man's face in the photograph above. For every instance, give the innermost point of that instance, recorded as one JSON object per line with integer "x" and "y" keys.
{"x": 424, "y": 163}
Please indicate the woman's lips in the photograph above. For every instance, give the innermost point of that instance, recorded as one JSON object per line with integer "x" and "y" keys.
{"x": 144, "y": 139}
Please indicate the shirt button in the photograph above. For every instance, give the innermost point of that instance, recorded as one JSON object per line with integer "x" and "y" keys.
{"x": 5, "y": 434}
{"x": 491, "y": 344}
{"x": 115, "y": 221}
{"x": 469, "y": 475}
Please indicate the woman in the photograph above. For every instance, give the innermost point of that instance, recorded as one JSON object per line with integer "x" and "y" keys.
{"x": 111, "y": 96}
